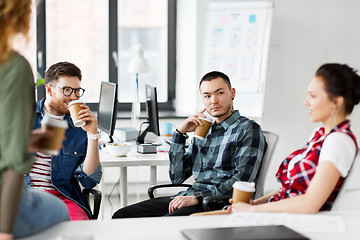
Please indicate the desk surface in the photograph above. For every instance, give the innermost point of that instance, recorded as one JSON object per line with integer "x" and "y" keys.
{"x": 169, "y": 227}
{"x": 134, "y": 158}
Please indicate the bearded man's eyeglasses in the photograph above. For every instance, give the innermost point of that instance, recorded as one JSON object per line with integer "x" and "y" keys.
{"x": 67, "y": 91}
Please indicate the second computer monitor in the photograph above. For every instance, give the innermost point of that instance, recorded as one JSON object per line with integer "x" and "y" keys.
{"x": 153, "y": 114}
{"x": 152, "y": 109}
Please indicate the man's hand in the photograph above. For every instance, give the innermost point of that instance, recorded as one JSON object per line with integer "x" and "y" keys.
{"x": 86, "y": 115}
{"x": 182, "y": 201}
{"x": 36, "y": 136}
{"x": 192, "y": 122}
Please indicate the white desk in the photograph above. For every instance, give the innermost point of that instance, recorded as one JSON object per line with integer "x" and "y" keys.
{"x": 133, "y": 159}
{"x": 169, "y": 227}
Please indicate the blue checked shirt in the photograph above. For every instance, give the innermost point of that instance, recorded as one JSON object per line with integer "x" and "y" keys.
{"x": 231, "y": 151}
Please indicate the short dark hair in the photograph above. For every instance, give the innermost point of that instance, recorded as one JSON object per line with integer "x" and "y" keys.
{"x": 341, "y": 80}
{"x": 215, "y": 74}
{"x": 61, "y": 69}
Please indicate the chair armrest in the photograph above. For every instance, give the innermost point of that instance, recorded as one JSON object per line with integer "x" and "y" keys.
{"x": 152, "y": 188}
{"x": 222, "y": 200}
{"x": 97, "y": 195}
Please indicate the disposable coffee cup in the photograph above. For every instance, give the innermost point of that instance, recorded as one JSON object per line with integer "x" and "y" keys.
{"x": 202, "y": 130}
{"x": 242, "y": 191}
{"x": 51, "y": 145}
{"x": 74, "y": 108}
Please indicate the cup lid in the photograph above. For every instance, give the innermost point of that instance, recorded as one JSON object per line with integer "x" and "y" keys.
{"x": 207, "y": 119}
{"x": 75, "y": 101}
{"x": 54, "y": 122}
{"x": 244, "y": 186}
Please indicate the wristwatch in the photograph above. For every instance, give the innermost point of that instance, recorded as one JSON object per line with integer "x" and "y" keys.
{"x": 199, "y": 197}
{"x": 184, "y": 135}
{"x": 93, "y": 136}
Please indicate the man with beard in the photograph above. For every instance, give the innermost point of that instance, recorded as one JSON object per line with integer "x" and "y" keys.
{"x": 231, "y": 151}
{"x": 78, "y": 160}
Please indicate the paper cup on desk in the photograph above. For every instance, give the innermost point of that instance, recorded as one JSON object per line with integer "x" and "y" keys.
{"x": 52, "y": 145}
{"x": 242, "y": 191}
{"x": 74, "y": 108}
{"x": 167, "y": 129}
{"x": 202, "y": 130}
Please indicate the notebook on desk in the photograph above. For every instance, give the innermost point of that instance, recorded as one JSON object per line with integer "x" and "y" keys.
{"x": 243, "y": 233}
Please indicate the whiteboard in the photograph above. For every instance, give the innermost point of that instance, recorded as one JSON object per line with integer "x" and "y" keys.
{"x": 236, "y": 42}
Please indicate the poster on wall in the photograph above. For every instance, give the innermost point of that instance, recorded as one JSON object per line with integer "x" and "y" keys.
{"x": 236, "y": 42}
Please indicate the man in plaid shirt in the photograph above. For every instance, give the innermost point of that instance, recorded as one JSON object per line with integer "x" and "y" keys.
{"x": 231, "y": 151}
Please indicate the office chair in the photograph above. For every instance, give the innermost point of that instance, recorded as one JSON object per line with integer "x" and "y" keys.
{"x": 346, "y": 187}
{"x": 217, "y": 202}
{"x": 97, "y": 195}
{"x": 170, "y": 185}
{"x": 214, "y": 202}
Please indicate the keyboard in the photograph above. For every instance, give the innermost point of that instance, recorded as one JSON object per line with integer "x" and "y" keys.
{"x": 168, "y": 141}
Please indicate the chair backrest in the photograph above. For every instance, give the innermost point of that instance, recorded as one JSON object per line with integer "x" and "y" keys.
{"x": 271, "y": 139}
{"x": 347, "y": 182}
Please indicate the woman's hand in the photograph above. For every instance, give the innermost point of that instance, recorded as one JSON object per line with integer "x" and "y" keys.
{"x": 241, "y": 207}
{"x": 6, "y": 236}
{"x": 252, "y": 202}
{"x": 36, "y": 136}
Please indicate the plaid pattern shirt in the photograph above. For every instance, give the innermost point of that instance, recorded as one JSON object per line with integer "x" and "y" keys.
{"x": 296, "y": 180}
{"x": 231, "y": 151}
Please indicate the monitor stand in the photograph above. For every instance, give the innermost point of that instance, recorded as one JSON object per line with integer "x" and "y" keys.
{"x": 143, "y": 147}
{"x": 146, "y": 148}
{"x": 103, "y": 144}
{"x": 141, "y": 138}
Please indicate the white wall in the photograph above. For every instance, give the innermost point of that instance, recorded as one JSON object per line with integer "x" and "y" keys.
{"x": 305, "y": 34}
{"x": 186, "y": 57}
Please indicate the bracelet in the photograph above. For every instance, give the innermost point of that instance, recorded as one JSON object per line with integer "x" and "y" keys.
{"x": 182, "y": 134}
{"x": 93, "y": 136}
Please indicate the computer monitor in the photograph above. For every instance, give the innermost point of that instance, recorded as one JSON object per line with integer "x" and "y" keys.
{"x": 107, "y": 111}
{"x": 153, "y": 114}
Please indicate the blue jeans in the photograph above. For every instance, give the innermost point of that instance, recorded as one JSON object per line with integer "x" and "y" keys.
{"x": 37, "y": 211}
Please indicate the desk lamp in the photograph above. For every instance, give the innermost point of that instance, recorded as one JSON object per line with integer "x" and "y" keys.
{"x": 138, "y": 64}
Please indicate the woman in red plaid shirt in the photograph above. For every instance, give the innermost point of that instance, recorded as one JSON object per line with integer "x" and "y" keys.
{"x": 312, "y": 176}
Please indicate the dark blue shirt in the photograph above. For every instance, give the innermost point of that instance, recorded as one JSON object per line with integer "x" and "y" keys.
{"x": 66, "y": 168}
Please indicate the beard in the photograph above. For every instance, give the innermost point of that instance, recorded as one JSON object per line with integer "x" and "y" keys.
{"x": 222, "y": 113}
{"x": 58, "y": 106}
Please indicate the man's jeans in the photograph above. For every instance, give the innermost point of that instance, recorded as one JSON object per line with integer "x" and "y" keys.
{"x": 37, "y": 211}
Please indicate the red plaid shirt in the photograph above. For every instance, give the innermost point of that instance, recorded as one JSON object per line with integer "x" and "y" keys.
{"x": 297, "y": 181}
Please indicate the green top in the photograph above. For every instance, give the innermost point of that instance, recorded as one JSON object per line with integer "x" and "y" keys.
{"x": 17, "y": 105}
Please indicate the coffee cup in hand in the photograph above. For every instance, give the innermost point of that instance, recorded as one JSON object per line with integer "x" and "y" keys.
{"x": 74, "y": 108}
{"x": 202, "y": 130}
{"x": 52, "y": 144}
{"x": 242, "y": 191}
